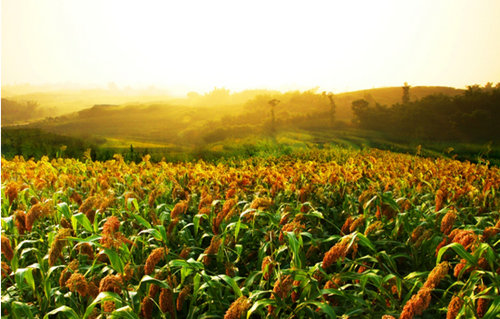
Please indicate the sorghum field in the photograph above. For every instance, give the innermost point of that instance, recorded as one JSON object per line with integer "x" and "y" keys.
{"x": 316, "y": 234}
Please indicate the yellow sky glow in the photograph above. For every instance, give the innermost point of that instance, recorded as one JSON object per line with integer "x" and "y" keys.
{"x": 198, "y": 45}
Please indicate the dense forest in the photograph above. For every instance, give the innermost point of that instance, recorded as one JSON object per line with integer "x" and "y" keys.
{"x": 472, "y": 116}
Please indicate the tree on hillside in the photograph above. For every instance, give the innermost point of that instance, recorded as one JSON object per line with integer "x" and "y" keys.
{"x": 359, "y": 108}
{"x": 406, "y": 94}
{"x": 272, "y": 104}
{"x": 333, "y": 107}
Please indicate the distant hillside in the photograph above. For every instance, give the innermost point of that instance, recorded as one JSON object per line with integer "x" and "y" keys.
{"x": 20, "y": 112}
{"x": 302, "y": 119}
{"x": 67, "y": 101}
{"x": 161, "y": 123}
{"x": 64, "y": 100}
{"x": 58, "y": 101}
{"x": 237, "y": 115}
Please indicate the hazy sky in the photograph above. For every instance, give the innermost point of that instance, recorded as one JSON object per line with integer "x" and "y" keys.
{"x": 197, "y": 45}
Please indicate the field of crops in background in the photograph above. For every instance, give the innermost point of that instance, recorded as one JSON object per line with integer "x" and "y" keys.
{"x": 313, "y": 234}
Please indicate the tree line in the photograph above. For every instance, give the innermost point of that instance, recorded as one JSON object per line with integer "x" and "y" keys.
{"x": 469, "y": 117}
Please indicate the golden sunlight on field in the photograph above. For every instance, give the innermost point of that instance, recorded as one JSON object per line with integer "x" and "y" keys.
{"x": 250, "y": 159}
{"x": 314, "y": 235}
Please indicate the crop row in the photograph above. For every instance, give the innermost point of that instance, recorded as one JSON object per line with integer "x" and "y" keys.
{"x": 362, "y": 234}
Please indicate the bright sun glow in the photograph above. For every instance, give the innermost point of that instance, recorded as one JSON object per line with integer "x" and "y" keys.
{"x": 187, "y": 45}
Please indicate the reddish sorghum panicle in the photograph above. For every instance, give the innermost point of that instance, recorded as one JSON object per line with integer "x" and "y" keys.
{"x": 111, "y": 283}
{"x": 93, "y": 290}
{"x": 482, "y": 304}
{"x": 111, "y": 225}
{"x": 490, "y": 232}
{"x": 284, "y": 218}
{"x": 261, "y": 203}
{"x": 63, "y": 278}
{"x": 339, "y": 251}
{"x": 65, "y": 223}
{"x": 454, "y": 307}
{"x": 185, "y": 252}
{"x": 58, "y": 245}
{"x": 179, "y": 209}
{"x": 88, "y": 207}
{"x": 212, "y": 249}
{"x": 347, "y": 225}
{"x": 447, "y": 222}
{"x": 293, "y": 226}
{"x": 417, "y": 304}
{"x": 230, "y": 269}
{"x": 7, "y": 248}
{"x": 231, "y": 192}
{"x": 111, "y": 237}
{"x": 128, "y": 272}
{"x": 437, "y": 274}
{"x": 20, "y": 220}
{"x": 440, "y": 198}
{"x": 75, "y": 197}
{"x": 385, "y": 210}
{"x": 86, "y": 249}
{"x": 66, "y": 273}
{"x": 295, "y": 292}
{"x": 467, "y": 238}
{"x": 5, "y": 269}
{"x": 108, "y": 306}
{"x": 227, "y": 212}
{"x": 282, "y": 288}
{"x": 147, "y": 306}
{"x": 11, "y": 191}
{"x": 228, "y": 208}
{"x": 267, "y": 267}
{"x": 206, "y": 200}
{"x": 334, "y": 283}
{"x": 166, "y": 301}
{"x": 416, "y": 233}
{"x": 356, "y": 224}
{"x": 154, "y": 258}
{"x": 182, "y": 297}
{"x": 152, "y": 197}
{"x": 204, "y": 211}
{"x": 237, "y": 308}
{"x": 105, "y": 203}
{"x": 36, "y": 212}
{"x": 420, "y": 301}
{"x": 458, "y": 267}
{"x": 78, "y": 283}
{"x": 373, "y": 227}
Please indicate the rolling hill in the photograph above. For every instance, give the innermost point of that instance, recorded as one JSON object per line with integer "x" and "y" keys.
{"x": 189, "y": 122}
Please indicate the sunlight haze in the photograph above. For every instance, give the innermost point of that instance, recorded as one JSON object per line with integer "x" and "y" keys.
{"x": 198, "y": 45}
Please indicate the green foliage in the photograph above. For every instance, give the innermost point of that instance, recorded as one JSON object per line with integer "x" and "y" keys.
{"x": 35, "y": 143}
{"x": 292, "y": 210}
{"x": 469, "y": 117}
